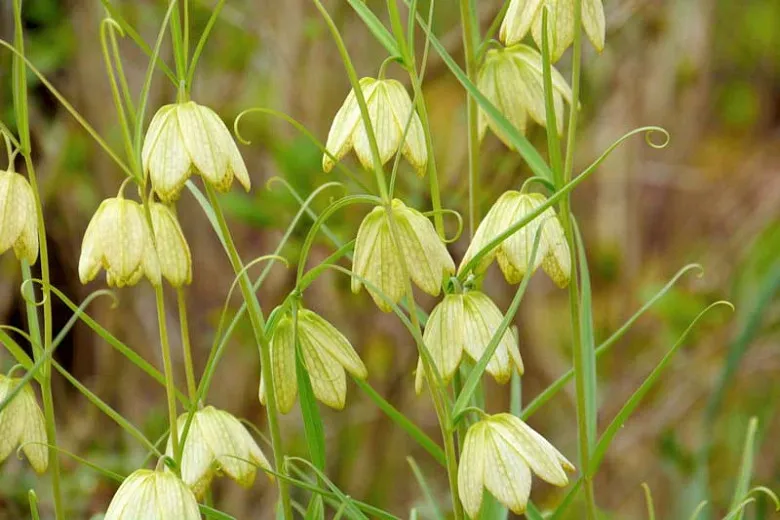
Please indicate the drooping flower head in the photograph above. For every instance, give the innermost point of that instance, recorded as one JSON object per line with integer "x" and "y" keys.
{"x": 326, "y": 354}
{"x": 499, "y": 454}
{"x": 514, "y": 253}
{"x": 523, "y": 15}
{"x": 466, "y": 322}
{"x": 153, "y": 495}
{"x": 187, "y": 138}
{"x": 377, "y": 259}
{"x": 511, "y": 78}
{"x": 217, "y": 443}
{"x": 389, "y": 109}
{"x": 18, "y": 219}
{"x": 118, "y": 240}
{"x": 22, "y": 424}
{"x": 173, "y": 251}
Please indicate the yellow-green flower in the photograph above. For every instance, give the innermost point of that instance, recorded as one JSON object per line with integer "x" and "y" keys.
{"x": 22, "y": 424}
{"x": 377, "y": 259}
{"x": 514, "y": 253}
{"x": 511, "y": 78}
{"x": 153, "y": 495}
{"x": 499, "y": 454}
{"x": 18, "y": 218}
{"x": 217, "y": 443}
{"x": 326, "y": 354}
{"x": 118, "y": 240}
{"x": 187, "y": 138}
{"x": 389, "y": 109}
{"x": 523, "y": 15}
{"x": 173, "y": 251}
{"x": 466, "y": 323}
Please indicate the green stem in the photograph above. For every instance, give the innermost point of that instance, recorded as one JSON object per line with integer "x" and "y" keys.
{"x": 257, "y": 320}
{"x": 469, "y": 37}
{"x": 170, "y": 386}
{"x": 186, "y": 346}
{"x": 580, "y": 375}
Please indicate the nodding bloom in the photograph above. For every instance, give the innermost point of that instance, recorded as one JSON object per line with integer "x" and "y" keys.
{"x": 466, "y": 322}
{"x": 217, "y": 443}
{"x": 514, "y": 253}
{"x": 187, "y": 138}
{"x": 499, "y": 454}
{"x": 378, "y": 258}
{"x": 22, "y": 424}
{"x": 118, "y": 240}
{"x": 326, "y": 356}
{"x": 389, "y": 110}
{"x": 523, "y": 15}
{"x": 173, "y": 251}
{"x": 18, "y": 218}
{"x": 511, "y": 78}
{"x": 153, "y": 495}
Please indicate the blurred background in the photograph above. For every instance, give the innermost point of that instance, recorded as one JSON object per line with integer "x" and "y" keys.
{"x": 707, "y": 70}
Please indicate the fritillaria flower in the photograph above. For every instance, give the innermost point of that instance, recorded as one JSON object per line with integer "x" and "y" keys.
{"x": 187, "y": 138}
{"x": 514, "y": 253}
{"x": 326, "y": 354}
{"x": 22, "y": 424}
{"x": 389, "y": 109}
{"x": 18, "y": 219}
{"x": 153, "y": 495}
{"x": 499, "y": 454}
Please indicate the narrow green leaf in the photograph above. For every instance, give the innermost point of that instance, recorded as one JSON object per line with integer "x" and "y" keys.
{"x": 376, "y": 27}
{"x": 745, "y": 468}
{"x": 426, "y": 489}
{"x": 649, "y": 501}
{"x": 33, "y": 499}
{"x": 587, "y": 341}
{"x": 210, "y": 512}
{"x": 312, "y": 422}
{"x": 316, "y": 509}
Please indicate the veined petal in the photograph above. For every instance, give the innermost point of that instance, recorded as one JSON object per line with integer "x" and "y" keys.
{"x": 486, "y": 84}
{"x": 560, "y": 25}
{"x": 168, "y": 164}
{"x": 471, "y": 471}
{"x": 413, "y": 147}
{"x": 327, "y": 376}
{"x": 153, "y": 133}
{"x": 132, "y": 494}
{"x": 321, "y": 335}
{"x": 174, "y": 499}
{"x": 92, "y": 245}
{"x": 283, "y": 365}
{"x": 443, "y": 336}
{"x": 341, "y": 134}
{"x": 384, "y": 268}
{"x": 386, "y": 131}
{"x": 199, "y": 140}
{"x": 483, "y": 319}
{"x": 33, "y": 436}
{"x": 492, "y": 225}
{"x": 124, "y": 235}
{"x": 26, "y": 245}
{"x": 173, "y": 252}
{"x": 509, "y": 92}
{"x": 11, "y": 427}
{"x": 507, "y": 476}
{"x": 16, "y": 208}
{"x": 518, "y": 19}
{"x": 541, "y": 456}
{"x": 594, "y": 23}
{"x": 223, "y": 144}
{"x": 366, "y": 242}
{"x": 231, "y": 445}
{"x": 517, "y": 248}
{"x": 198, "y": 464}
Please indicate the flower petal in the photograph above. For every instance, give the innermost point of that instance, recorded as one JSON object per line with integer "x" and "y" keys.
{"x": 507, "y": 476}
{"x": 283, "y": 365}
{"x": 472, "y": 470}
{"x": 321, "y": 335}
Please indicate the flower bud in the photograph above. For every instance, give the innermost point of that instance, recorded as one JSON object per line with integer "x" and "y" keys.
{"x": 523, "y": 15}
{"x": 118, "y": 240}
{"x": 158, "y": 495}
{"x": 186, "y": 138}
{"x": 217, "y": 443}
{"x": 173, "y": 251}
{"x": 326, "y": 355}
{"x": 377, "y": 259}
{"x": 18, "y": 218}
{"x": 514, "y": 253}
{"x": 389, "y": 109}
{"x": 512, "y": 80}
{"x": 499, "y": 454}
{"x": 22, "y": 423}
{"x": 467, "y": 322}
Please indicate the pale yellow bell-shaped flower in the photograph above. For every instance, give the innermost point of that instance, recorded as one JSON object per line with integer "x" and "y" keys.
{"x": 466, "y": 322}
{"x": 118, "y": 240}
{"x": 326, "y": 354}
{"x": 22, "y": 424}
{"x": 514, "y": 253}
{"x": 511, "y": 78}
{"x": 187, "y": 138}
{"x": 18, "y": 217}
{"x": 377, "y": 260}
{"x": 153, "y": 495}
{"x": 499, "y": 454}
{"x": 173, "y": 251}
{"x": 523, "y": 15}
{"x": 217, "y": 443}
{"x": 389, "y": 109}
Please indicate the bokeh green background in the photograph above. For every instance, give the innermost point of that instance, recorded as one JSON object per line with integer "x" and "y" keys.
{"x": 707, "y": 70}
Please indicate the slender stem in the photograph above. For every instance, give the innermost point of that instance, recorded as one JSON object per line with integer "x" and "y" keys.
{"x": 186, "y": 346}
{"x": 469, "y": 37}
{"x": 170, "y": 385}
{"x": 257, "y": 320}
{"x": 574, "y": 306}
